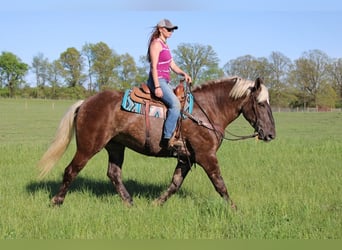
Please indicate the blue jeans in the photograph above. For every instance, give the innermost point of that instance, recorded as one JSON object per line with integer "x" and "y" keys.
{"x": 172, "y": 103}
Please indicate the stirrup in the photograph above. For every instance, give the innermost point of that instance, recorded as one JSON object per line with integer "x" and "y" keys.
{"x": 175, "y": 143}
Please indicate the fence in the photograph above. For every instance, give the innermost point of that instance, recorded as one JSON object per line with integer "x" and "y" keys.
{"x": 317, "y": 109}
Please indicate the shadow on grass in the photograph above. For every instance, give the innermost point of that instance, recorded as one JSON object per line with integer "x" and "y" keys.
{"x": 102, "y": 188}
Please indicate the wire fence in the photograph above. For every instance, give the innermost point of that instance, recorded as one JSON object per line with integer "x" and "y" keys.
{"x": 317, "y": 109}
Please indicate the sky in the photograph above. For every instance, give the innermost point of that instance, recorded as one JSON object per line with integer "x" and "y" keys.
{"x": 232, "y": 28}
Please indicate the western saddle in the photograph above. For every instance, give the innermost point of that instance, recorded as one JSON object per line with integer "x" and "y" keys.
{"x": 144, "y": 96}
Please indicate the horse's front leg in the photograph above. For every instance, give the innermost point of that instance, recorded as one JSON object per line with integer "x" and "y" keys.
{"x": 221, "y": 188}
{"x": 211, "y": 167}
{"x": 116, "y": 157}
{"x": 182, "y": 169}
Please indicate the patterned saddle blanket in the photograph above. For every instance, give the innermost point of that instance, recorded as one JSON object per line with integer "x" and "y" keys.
{"x": 139, "y": 100}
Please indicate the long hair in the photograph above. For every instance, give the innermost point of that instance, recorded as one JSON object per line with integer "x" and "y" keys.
{"x": 154, "y": 35}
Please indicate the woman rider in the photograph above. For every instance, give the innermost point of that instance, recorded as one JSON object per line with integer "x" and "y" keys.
{"x": 161, "y": 63}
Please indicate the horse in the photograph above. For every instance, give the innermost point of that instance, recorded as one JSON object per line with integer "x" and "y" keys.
{"x": 99, "y": 122}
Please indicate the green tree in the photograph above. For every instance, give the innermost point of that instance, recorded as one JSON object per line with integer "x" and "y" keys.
{"x": 142, "y": 71}
{"x": 102, "y": 62}
{"x": 197, "y": 60}
{"x": 71, "y": 67}
{"x": 326, "y": 96}
{"x": 335, "y": 70}
{"x": 248, "y": 67}
{"x": 310, "y": 71}
{"x": 279, "y": 67}
{"x": 211, "y": 73}
{"x": 54, "y": 77}
{"x": 127, "y": 71}
{"x": 12, "y": 71}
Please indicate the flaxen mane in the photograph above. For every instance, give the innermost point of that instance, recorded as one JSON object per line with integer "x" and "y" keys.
{"x": 242, "y": 87}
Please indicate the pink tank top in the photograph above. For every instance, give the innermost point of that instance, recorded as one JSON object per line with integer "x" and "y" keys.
{"x": 164, "y": 61}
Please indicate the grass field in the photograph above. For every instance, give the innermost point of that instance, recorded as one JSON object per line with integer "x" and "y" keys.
{"x": 287, "y": 189}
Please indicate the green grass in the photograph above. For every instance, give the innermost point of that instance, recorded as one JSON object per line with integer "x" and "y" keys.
{"x": 286, "y": 189}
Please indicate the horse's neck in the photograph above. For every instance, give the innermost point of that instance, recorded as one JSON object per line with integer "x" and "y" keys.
{"x": 218, "y": 106}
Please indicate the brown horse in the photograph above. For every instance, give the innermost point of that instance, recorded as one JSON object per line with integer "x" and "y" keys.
{"x": 99, "y": 122}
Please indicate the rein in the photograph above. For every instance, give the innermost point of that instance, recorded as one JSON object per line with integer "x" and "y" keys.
{"x": 219, "y": 132}
{"x": 240, "y": 137}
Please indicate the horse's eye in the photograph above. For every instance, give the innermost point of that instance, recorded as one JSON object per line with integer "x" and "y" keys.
{"x": 262, "y": 105}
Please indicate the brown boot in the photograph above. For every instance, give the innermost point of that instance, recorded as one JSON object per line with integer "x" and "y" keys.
{"x": 175, "y": 143}
{"x": 179, "y": 146}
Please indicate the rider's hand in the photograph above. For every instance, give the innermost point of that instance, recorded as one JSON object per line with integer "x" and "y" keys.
{"x": 187, "y": 78}
{"x": 158, "y": 92}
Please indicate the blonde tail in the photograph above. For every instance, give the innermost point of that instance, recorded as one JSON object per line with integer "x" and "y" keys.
{"x": 61, "y": 141}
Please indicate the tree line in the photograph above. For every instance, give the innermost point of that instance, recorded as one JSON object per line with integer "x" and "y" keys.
{"x": 312, "y": 80}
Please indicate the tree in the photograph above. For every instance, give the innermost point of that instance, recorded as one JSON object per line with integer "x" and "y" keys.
{"x": 335, "y": 71}
{"x": 309, "y": 73}
{"x": 279, "y": 67}
{"x": 326, "y": 96}
{"x": 40, "y": 67}
{"x": 142, "y": 71}
{"x": 211, "y": 73}
{"x": 12, "y": 71}
{"x": 248, "y": 67}
{"x": 71, "y": 66}
{"x": 54, "y": 77}
{"x": 88, "y": 53}
{"x": 127, "y": 71}
{"x": 103, "y": 62}
{"x": 198, "y": 60}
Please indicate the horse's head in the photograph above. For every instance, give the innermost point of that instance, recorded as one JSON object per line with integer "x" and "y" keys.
{"x": 258, "y": 113}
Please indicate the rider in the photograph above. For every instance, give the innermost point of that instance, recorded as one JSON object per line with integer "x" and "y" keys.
{"x": 161, "y": 62}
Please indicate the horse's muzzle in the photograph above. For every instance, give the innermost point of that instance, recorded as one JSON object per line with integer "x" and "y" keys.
{"x": 267, "y": 137}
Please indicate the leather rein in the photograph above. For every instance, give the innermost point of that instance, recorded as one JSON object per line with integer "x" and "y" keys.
{"x": 219, "y": 132}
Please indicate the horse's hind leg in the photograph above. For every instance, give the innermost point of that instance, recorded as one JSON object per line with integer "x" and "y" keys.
{"x": 181, "y": 171}
{"x": 116, "y": 157}
{"x": 70, "y": 173}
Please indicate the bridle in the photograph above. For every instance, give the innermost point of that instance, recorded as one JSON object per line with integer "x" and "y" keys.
{"x": 219, "y": 132}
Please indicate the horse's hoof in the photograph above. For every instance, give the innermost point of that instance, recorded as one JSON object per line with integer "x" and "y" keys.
{"x": 128, "y": 203}
{"x": 55, "y": 201}
{"x": 157, "y": 203}
{"x": 233, "y": 206}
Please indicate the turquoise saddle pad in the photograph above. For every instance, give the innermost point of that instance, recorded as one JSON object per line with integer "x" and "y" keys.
{"x": 155, "y": 111}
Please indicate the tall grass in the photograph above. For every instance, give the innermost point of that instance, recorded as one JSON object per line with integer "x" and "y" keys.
{"x": 287, "y": 189}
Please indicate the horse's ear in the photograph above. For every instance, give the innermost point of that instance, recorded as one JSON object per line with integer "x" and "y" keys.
{"x": 258, "y": 83}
